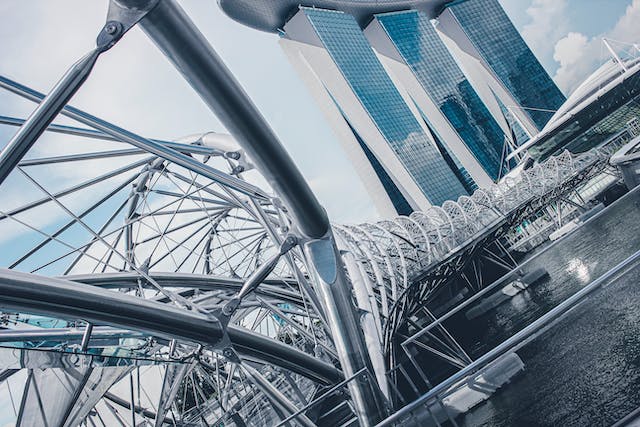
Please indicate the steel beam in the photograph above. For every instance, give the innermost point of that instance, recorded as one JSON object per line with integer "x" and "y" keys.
{"x": 173, "y": 376}
{"x": 335, "y": 292}
{"x": 270, "y": 288}
{"x": 119, "y": 21}
{"x": 177, "y": 37}
{"x": 48, "y": 109}
{"x": 95, "y": 134}
{"x": 63, "y": 299}
{"x": 274, "y": 395}
{"x": 65, "y": 334}
{"x": 261, "y": 349}
{"x": 69, "y": 300}
{"x": 166, "y": 152}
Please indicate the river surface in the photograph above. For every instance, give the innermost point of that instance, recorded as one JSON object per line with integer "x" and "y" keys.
{"x": 585, "y": 370}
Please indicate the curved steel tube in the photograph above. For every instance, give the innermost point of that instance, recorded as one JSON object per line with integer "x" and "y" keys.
{"x": 271, "y": 288}
{"x": 175, "y": 35}
{"x": 71, "y": 300}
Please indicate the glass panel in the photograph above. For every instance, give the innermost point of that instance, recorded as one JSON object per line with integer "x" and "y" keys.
{"x": 503, "y": 49}
{"x": 416, "y": 40}
{"x": 347, "y": 45}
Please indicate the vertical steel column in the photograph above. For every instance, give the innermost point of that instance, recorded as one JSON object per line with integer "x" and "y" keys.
{"x": 335, "y": 292}
{"x": 176, "y": 36}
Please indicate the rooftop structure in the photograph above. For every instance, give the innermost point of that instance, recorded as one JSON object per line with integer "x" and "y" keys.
{"x": 272, "y": 15}
{"x": 601, "y": 107}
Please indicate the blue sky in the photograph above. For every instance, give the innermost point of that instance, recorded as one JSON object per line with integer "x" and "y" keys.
{"x": 590, "y": 17}
{"x": 569, "y": 32}
{"x": 135, "y": 87}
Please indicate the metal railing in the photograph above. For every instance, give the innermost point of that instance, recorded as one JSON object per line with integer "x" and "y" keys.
{"x": 517, "y": 341}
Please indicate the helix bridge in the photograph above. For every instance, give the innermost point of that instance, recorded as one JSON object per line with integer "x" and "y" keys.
{"x": 199, "y": 281}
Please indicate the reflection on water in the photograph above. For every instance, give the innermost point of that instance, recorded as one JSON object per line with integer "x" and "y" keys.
{"x": 586, "y": 369}
{"x": 519, "y": 302}
{"x": 578, "y": 268}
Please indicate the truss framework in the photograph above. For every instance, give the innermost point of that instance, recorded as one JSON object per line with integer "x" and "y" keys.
{"x": 198, "y": 281}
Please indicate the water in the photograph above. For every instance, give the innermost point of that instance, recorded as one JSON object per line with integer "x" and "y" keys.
{"x": 585, "y": 370}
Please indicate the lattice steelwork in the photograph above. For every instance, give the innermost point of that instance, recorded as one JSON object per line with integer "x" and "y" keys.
{"x": 396, "y": 253}
{"x": 152, "y": 282}
{"x": 144, "y": 227}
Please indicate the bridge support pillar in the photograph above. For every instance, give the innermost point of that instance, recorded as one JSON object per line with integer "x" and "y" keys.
{"x": 335, "y": 293}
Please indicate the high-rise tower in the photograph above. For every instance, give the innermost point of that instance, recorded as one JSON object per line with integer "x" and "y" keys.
{"x": 424, "y": 95}
{"x": 494, "y": 54}
{"x": 411, "y": 49}
{"x": 375, "y": 117}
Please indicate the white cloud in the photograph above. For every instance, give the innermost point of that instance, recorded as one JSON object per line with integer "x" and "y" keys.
{"x": 627, "y": 28}
{"x": 548, "y": 24}
{"x": 569, "y": 49}
{"x": 579, "y": 55}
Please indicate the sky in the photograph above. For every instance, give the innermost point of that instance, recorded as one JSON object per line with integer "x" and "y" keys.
{"x": 135, "y": 87}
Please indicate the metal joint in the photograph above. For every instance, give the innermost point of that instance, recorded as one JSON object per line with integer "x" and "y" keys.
{"x": 121, "y": 17}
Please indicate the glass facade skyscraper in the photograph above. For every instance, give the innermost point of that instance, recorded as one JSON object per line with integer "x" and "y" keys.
{"x": 500, "y": 46}
{"x": 343, "y": 39}
{"x": 420, "y": 47}
{"x": 426, "y": 101}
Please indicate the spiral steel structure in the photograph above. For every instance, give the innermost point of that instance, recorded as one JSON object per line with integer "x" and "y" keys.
{"x": 192, "y": 282}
